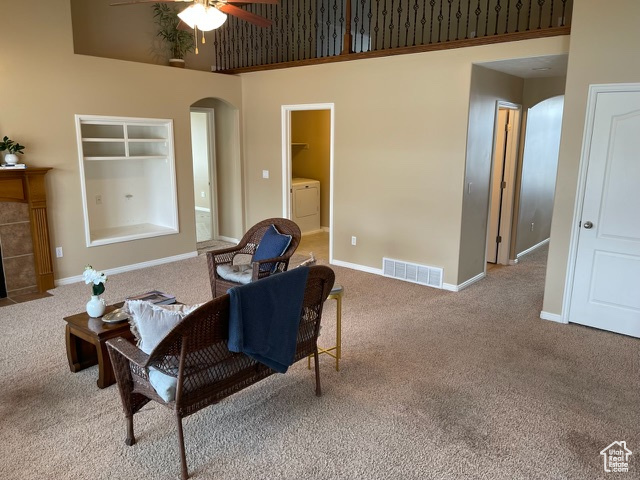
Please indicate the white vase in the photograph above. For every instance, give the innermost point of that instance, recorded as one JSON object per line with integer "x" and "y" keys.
{"x": 11, "y": 158}
{"x": 96, "y": 306}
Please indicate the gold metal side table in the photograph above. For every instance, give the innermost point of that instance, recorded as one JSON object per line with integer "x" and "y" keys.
{"x": 336, "y": 351}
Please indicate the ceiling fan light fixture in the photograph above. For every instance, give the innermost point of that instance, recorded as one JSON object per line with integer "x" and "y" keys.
{"x": 204, "y": 18}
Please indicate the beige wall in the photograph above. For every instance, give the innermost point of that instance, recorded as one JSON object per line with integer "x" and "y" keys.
{"x": 487, "y": 88}
{"x": 313, "y": 127}
{"x": 538, "y": 173}
{"x": 199, "y": 148}
{"x": 610, "y": 56}
{"x": 52, "y": 84}
{"x": 127, "y": 32}
{"x": 400, "y": 147}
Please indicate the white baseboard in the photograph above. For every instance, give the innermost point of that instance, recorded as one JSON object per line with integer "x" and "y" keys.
{"x": 553, "y": 317}
{"x": 465, "y": 284}
{"x": 311, "y": 232}
{"x": 128, "y": 268}
{"x": 228, "y": 239}
{"x": 203, "y": 209}
{"x": 531, "y": 249}
{"x": 513, "y": 262}
{"x": 355, "y": 266}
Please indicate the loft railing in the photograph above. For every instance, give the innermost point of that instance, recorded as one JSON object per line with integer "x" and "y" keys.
{"x": 317, "y": 31}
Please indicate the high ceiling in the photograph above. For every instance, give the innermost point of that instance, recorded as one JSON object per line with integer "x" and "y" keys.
{"x": 533, "y": 67}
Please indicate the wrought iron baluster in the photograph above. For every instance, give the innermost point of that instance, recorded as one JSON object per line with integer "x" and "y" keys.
{"x": 384, "y": 22}
{"x": 529, "y": 15}
{"x": 312, "y": 31}
{"x": 321, "y": 25}
{"x": 551, "y": 14}
{"x": 466, "y": 26}
{"x": 304, "y": 30}
{"x": 440, "y": 18}
{"x": 486, "y": 20}
{"x": 356, "y": 21}
{"x": 518, "y": 8}
{"x": 416, "y": 7}
{"x": 370, "y": 15}
{"x": 399, "y": 21}
{"x": 449, "y": 20}
{"x": 564, "y": 8}
{"x": 423, "y": 20}
{"x": 377, "y": 27}
{"x": 540, "y": 4}
{"x": 458, "y": 17}
{"x": 363, "y": 30}
{"x": 334, "y": 35}
{"x": 287, "y": 41}
{"x": 497, "y": 8}
{"x": 407, "y": 25}
{"x": 478, "y": 12}
{"x": 506, "y": 22}
{"x": 272, "y": 29}
{"x": 432, "y": 3}
{"x": 391, "y": 26}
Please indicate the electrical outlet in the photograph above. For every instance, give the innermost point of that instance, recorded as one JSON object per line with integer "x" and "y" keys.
{"x": 353, "y": 240}
{"x": 98, "y": 199}
{"x": 59, "y": 252}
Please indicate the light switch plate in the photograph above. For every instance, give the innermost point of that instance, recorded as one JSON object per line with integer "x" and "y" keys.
{"x": 265, "y": 173}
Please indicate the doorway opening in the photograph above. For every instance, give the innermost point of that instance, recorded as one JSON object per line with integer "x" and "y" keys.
{"x": 217, "y": 174}
{"x": 503, "y": 180}
{"x": 204, "y": 173}
{"x": 307, "y": 183}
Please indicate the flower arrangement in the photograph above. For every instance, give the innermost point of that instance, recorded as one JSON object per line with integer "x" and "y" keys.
{"x": 97, "y": 278}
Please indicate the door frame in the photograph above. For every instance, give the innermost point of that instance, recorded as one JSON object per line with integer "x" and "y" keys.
{"x": 212, "y": 166}
{"x": 510, "y": 169}
{"x": 286, "y": 160}
{"x": 594, "y": 90}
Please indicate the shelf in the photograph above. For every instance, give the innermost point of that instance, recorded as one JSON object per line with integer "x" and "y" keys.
{"x": 99, "y": 139}
{"x": 133, "y": 157}
{"x": 104, "y": 236}
{"x": 127, "y": 169}
{"x": 304, "y": 146}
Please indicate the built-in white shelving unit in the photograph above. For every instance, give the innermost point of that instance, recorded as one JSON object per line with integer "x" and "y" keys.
{"x": 127, "y": 172}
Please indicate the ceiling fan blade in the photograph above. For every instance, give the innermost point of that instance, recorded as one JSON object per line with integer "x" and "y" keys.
{"x": 272, "y": 2}
{"x": 133, "y": 2}
{"x": 244, "y": 15}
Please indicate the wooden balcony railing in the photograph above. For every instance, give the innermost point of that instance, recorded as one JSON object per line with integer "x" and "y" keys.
{"x": 317, "y": 31}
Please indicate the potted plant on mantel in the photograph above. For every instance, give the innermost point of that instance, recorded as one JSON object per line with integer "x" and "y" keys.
{"x": 13, "y": 148}
{"x": 178, "y": 41}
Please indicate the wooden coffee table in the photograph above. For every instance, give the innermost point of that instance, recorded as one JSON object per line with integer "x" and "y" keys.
{"x": 86, "y": 337}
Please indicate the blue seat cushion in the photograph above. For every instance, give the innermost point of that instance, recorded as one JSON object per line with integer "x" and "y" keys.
{"x": 273, "y": 244}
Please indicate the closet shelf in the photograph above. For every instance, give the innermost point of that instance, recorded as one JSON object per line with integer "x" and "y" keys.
{"x": 304, "y": 146}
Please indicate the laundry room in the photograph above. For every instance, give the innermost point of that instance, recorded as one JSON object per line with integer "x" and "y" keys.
{"x": 310, "y": 169}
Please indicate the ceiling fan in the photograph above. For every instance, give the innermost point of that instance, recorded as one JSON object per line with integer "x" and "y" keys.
{"x": 206, "y": 15}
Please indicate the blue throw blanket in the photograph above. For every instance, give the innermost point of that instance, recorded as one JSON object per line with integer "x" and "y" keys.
{"x": 264, "y": 318}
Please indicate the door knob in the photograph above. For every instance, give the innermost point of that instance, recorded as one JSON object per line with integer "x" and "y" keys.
{"x": 588, "y": 225}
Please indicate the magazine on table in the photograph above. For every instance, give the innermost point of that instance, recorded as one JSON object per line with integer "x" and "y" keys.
{"x": 155, "y": 296}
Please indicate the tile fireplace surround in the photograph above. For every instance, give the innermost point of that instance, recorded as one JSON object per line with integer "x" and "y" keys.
{"x": 24, "y": 234}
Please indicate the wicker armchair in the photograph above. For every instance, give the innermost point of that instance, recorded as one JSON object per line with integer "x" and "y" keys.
{"x": 195, "y": 353}
{"x": 248, "y": 246}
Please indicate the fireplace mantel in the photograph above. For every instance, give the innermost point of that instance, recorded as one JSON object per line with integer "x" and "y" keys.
{"x": 28, "y": 186}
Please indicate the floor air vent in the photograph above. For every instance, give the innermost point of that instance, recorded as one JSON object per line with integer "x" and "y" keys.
{"x": 411, "y": 272}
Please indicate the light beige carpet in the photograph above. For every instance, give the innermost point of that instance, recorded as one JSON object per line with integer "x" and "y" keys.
{"x": 433, "y": 385}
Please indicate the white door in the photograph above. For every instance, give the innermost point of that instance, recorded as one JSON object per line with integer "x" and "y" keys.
{"x": 606, "y": 286}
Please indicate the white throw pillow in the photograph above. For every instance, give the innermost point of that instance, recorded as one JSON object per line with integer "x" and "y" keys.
{"x": 235, "y": 273}
{"x": 150, "y": 324}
